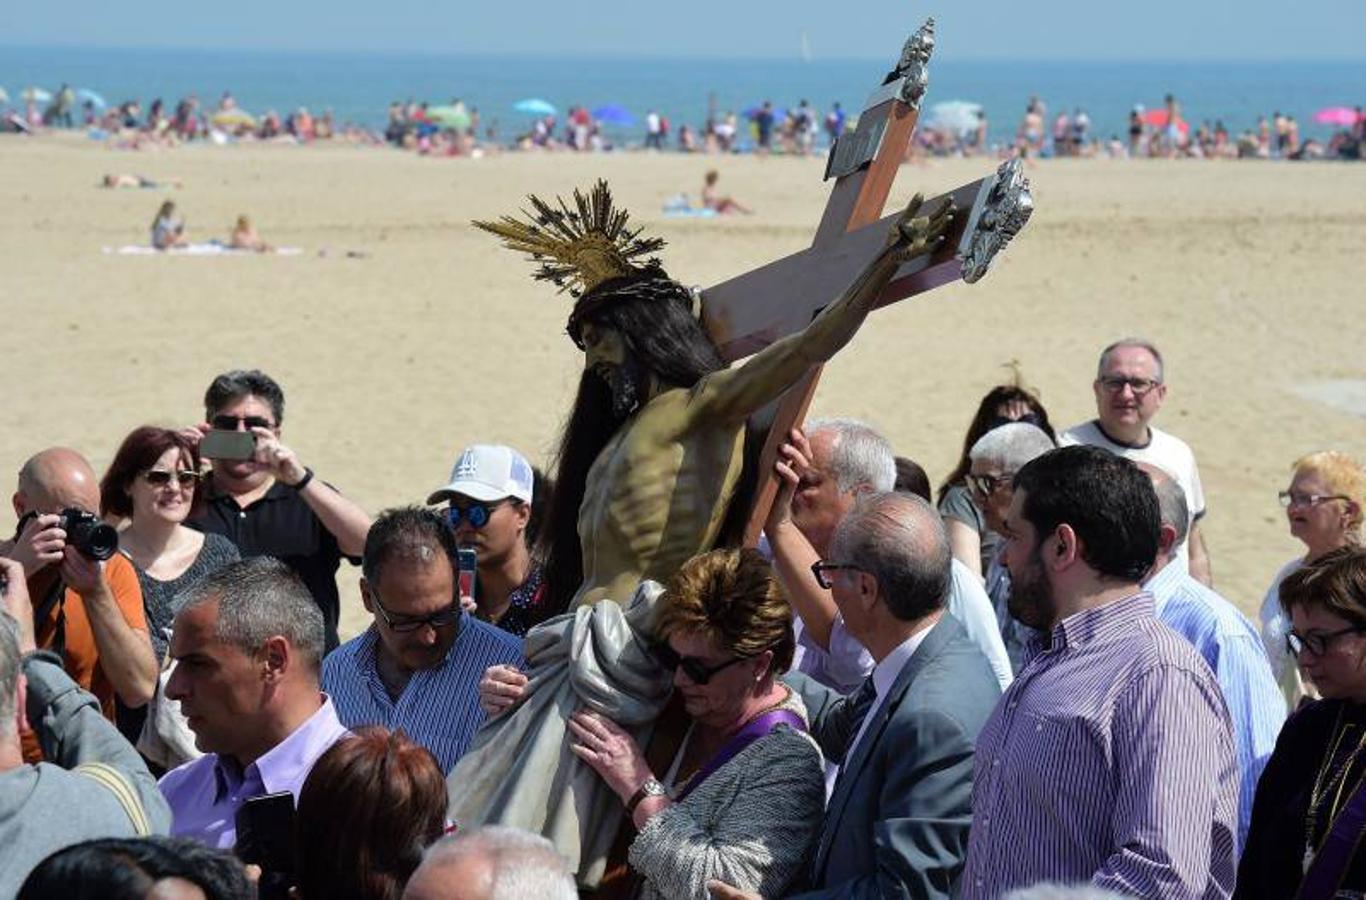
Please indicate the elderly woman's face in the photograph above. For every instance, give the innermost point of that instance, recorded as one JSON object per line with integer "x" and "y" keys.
{"x": 1321, "y": 525}
{"x": 990, "y": 488}
{"x": 730, "y": 683}
{"x": 1339, "y": 672}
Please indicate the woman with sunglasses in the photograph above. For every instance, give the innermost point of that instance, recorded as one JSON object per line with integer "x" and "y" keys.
{"x": 974, "y": 543}
{"x": 1324, "y": 506}
{"x": 742, "y": 798}
{"x": 153, "y": 484}
{"x": 1309, "y": 816}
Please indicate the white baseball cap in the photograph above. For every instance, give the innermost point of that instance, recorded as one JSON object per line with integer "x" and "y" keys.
{"x": 488, "y": 472}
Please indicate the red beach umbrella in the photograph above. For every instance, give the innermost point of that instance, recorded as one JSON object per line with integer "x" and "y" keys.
{"x": 1157, "y": 118}
{"x": 1336, "y": 115}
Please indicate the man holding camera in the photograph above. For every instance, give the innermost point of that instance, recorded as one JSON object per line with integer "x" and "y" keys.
{"x": 87, "y": 603}
{"x": 266, "y": 501}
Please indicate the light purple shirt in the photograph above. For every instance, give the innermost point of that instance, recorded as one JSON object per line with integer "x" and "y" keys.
{"x": 1110, "y": 760}
{"x": 204, "y": 795}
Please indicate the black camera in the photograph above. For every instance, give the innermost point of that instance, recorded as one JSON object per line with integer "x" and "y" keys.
{"x": 88, "y": 534}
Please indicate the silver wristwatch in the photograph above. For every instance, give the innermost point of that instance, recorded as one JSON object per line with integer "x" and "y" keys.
{"x": 651, "y": 788}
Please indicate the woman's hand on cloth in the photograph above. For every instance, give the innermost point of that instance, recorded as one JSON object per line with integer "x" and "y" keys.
{"x": 501, "y": 687}
{"x": 611, "y": 751}
{"x": 719, "y": 890}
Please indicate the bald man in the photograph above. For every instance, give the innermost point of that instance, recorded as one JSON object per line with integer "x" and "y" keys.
{"x": 88, "y": 612}
{"x": 496, "y": 862}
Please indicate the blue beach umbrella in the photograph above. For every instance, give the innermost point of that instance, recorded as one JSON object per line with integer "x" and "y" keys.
{"x": 534, "y": 106}
{"x": 36, "y": 95}
{"x": 612, "y": 114}
{"x": 86, "y": 94}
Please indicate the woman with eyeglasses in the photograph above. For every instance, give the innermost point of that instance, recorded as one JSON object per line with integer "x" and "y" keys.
{"x": 741, "y": 799}
{"x": 974, "y": 543}
{"x": 1309, "y": 816}
{"x": 1324, "y": 508}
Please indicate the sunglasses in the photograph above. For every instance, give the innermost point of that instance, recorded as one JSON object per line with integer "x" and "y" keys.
{"x": 477, "y": 514}
{"x": 162, "y": 477}
{"x": 821, "y": 567}
{"x": 230, "y": 423}
{"x": 986, "y": 485}
{"x": 698, "y": 672}
{"x": 404, "y": 624}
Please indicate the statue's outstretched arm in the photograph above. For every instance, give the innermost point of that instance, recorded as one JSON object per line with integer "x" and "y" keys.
{"x": 737, "y": 393}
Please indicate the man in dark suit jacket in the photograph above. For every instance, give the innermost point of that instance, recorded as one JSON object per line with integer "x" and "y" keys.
{"x": 897, "y": 822}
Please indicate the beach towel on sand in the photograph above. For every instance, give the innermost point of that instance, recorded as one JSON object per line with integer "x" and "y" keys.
{"x": 213, "y": 248}
{"x": 519, "y": 769}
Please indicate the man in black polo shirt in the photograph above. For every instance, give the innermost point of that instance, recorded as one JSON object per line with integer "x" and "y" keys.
{"x": 271, "y": 505}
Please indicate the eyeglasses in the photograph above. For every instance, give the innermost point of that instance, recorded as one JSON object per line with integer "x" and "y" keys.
{"x": 986, "y": 485}
{"x": 1140, "y": 386}
{"x": 162, "y": 477}
{"x": 698, "y": 672}
{"x": 402, "y": 625}
{"x": 477, "y": 514}
{"x": 821, "y": 567}
{"x": 1295, "y": 498}
{"x": 1315, "y": 642}
{"x": 230, "y": 423}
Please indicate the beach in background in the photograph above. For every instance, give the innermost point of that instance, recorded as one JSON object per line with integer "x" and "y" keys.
{"x": 431, "y": 337}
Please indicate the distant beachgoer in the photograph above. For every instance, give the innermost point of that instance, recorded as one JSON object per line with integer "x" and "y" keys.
{"x": 722, "y": 205}
{"x": 834, "y": 122}
{"x": 123, "y": 180}
{"x": 654, "y": 133}
{"x": 763, "y": 121}
{"x": 167, "y": 230}
{"x": 1173, "y": 133}
{"x": 244, "y": 237}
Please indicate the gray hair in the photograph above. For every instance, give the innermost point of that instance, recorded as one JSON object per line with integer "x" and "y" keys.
{"x": 1012, "y": 445}
{"x": 859, "y": 455}
{"x": 899, "y": 539}
{"x": 523, "y": 864}
{"x": 258, "y": 599}
{"x": 1140, "y": 343}
{"x": 1171, "y": 504}
{"x": 10, "y": 666}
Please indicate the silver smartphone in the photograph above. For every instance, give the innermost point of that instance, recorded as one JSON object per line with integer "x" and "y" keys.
{"x": 228, "y": 445}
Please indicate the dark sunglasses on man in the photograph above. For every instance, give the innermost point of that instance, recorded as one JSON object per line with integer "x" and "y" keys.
{"x": 404, "y": 624}
{"x": 477, "y": 514}
{"x": 698, "y": 672}
{"x": 230, "y": 423}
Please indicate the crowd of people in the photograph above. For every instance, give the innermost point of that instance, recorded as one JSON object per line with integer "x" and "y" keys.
{"x": 1027, "y": 686}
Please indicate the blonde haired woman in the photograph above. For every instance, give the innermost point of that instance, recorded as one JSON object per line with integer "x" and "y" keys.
{"x": 1323, "y": 505}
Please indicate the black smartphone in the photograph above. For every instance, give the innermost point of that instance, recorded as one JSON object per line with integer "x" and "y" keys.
{"x": 468, "y": 565}
{"x": 265, "y": 837}
{"x": 228, "y": 445}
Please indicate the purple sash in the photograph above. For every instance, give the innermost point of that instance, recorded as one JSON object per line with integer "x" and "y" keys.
{"x": 755, "y": 728}
{"x": 1334, "y": 858}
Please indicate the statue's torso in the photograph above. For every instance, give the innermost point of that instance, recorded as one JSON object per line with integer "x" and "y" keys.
{"x": 655, "y": 496}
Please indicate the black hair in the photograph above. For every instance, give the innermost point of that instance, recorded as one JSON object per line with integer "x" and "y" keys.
{"x": 240, "y": 383}
{"x": 911, "y": 479}
{"x": 1106, "y": 499}
{"x": 655, "y": 320}
{"x": 405, "y": 531}
{"x": 127, "y": 868}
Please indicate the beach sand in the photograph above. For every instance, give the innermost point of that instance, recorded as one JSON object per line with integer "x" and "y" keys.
{"x": 1247, "y": 276}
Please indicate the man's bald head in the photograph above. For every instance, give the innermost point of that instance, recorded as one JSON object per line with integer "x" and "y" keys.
{"x": 55, "y": 479}
{"x": 1171, "y": 501}
{"x": 496, "y": 862}
{"x": 899, "y": 539}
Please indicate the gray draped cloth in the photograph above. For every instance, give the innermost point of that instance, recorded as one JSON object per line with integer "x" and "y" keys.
{"x": 519, "y": 769}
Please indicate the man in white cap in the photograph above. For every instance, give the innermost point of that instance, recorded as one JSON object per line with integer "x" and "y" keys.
{"x": 489, "y": 508}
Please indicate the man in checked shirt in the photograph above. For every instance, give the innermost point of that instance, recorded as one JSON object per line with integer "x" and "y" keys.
{"x": 1110, "y": 759}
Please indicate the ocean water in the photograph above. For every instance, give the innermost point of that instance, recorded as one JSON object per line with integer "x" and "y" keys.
{"x": 358, "y": 88}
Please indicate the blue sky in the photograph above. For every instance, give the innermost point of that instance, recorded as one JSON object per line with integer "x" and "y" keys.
{"x": 1166, "y": 30}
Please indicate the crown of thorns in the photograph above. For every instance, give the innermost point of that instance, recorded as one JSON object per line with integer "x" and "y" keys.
{"x": 580, "y": 246}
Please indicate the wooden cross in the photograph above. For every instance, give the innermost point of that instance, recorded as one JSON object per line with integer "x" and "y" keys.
{"x": 751, "y": 311}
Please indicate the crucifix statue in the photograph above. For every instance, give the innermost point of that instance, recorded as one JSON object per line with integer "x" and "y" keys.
{"x": 649, "y": 469}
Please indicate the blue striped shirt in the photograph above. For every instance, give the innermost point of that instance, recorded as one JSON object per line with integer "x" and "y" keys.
{"x": 439, "y": 707}
{"x": 1110, "y": 761}
{"x": 1233, "y": 648}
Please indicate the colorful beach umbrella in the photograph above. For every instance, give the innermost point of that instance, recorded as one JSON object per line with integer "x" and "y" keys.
{"x": 534, "y": 106}
{"x": 958, "y": 116}
{"x": 233, "y": 118}
{"x": 36, "y": 95}
{"x": 1337, "y": 115}
{"x": 86, "y": 95}
{"x": 448, "y": 116}
{"x": 1157, "y": 118}
{"x": 612, "y": 114}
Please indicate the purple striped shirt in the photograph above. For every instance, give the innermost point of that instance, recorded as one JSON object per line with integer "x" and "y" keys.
{"x": 1109, "y": 760}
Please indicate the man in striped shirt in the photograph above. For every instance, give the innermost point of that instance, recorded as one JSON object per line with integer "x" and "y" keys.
{"x": 418, "y": 665}
{"x": 1110, "y": 759}
{"x": 1228, "y": 642}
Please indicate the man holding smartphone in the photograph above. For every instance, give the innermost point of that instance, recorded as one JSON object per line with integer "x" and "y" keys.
{"x": 267, "y": 502}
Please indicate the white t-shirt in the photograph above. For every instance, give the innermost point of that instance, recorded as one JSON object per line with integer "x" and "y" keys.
{"x": 1168, "y": 452}
{"x": 1275, "y": 626}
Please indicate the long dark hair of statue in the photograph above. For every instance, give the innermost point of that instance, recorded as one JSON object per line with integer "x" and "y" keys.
{"x": 660, "y": 332}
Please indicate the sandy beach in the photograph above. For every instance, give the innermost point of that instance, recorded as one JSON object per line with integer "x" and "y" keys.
{"x": 1247, "y": 275}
